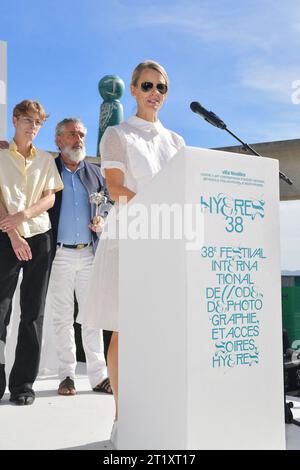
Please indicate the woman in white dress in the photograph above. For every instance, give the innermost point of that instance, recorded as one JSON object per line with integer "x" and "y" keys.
{"x": 131, "y": 154}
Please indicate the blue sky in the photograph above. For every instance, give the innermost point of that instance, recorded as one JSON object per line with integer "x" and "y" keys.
{"x": 237, "y": 58}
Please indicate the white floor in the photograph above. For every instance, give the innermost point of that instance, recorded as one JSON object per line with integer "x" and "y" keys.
{"x": 81, "y": 422}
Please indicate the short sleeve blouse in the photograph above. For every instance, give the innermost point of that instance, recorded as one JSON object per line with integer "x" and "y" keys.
{"x": 139, "y": 149}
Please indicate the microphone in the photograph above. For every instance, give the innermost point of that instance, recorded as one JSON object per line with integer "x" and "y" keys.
{"x": 209, "y": 116}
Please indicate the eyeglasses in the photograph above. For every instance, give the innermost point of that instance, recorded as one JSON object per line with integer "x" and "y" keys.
{"x": 161, "y": 87}
{"x": 29, "y": 121}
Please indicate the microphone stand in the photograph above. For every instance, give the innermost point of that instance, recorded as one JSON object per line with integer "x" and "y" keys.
{"x": 246, "y": 147}
{"x": 214, "y": 120}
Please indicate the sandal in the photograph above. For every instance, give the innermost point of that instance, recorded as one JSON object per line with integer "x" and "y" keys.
{"x": 67, "y": 387}
{"x": 103, "y": 387}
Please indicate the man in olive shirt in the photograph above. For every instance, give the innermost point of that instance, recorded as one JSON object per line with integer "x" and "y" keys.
{"x": 28, "y": 181}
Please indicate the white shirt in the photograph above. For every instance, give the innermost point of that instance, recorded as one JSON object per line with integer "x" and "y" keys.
{"x": 139, "y": 149}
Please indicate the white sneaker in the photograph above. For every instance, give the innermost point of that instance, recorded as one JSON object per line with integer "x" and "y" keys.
{"x": 114, "y": 435}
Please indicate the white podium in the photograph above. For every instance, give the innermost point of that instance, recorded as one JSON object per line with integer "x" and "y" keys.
{"x": 200, "y": 314}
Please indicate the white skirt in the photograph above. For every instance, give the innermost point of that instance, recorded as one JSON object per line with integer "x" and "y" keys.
{"x": 102, "y": 297}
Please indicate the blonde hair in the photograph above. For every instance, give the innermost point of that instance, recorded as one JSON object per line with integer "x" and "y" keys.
{"x": 29, "y": 105}
{"x": 148, "y": 64}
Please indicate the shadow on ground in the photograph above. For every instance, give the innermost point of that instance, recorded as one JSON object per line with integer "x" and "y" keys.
{"x": 103, "y": 445}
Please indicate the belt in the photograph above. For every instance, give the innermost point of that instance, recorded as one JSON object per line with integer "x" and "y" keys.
{"x": 76, "y": 247}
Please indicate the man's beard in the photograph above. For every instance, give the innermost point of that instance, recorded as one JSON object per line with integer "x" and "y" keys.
{"x": 75, "y": 155}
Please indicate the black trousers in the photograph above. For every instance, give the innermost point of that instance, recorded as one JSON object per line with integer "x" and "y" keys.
{"x": 33, "y": 292}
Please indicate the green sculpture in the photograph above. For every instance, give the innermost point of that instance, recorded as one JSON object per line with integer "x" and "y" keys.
{"x": 111, "y": 88}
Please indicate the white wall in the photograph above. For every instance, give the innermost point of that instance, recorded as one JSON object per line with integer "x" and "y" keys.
{"x": 290, "y": 237}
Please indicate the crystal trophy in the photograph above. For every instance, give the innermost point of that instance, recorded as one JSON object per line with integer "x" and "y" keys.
{"x": 97, "y": 200}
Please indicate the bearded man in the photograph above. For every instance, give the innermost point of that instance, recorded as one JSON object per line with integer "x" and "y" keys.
{"x": 75, "y": 242}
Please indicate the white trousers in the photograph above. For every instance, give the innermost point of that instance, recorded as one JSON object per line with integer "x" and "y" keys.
{"x": 70, "y": 272}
